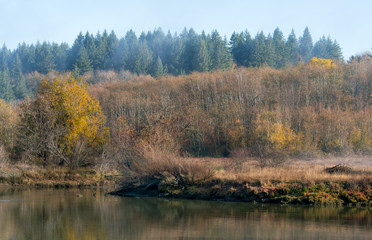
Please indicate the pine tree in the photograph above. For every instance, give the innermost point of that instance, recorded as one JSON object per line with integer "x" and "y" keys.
{"x": 306, "y": 45}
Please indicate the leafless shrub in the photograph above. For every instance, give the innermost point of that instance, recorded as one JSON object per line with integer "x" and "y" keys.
{"x": 158, "y": 165}
{"x": 272, "y": 158}
{"x": 339, "y": 168}
{"x": 239, "y": 156}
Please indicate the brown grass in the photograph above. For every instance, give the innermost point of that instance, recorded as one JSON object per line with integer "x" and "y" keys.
{"x": 296, "y": 170}
{"x": 160, "y": 165}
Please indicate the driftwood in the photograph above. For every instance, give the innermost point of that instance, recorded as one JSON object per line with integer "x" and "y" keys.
{"x": 339, "y": 168}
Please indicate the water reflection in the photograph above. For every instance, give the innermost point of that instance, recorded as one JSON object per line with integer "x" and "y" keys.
{"x": 64, "y": 214}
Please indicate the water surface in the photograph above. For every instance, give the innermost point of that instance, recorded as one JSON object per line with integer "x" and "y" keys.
{"x": 88, "y": 214}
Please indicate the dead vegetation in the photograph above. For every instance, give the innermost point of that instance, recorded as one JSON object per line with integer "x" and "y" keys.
{"x": 156, "y": 167}
{"x": 339, "y": 168}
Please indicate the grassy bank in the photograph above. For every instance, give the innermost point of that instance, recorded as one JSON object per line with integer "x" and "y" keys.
{"x": 25, "y": 175}
{"x": 298, "y": 182}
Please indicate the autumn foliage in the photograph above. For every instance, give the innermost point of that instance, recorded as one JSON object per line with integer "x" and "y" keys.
{"x": 318, "y": 108}
{"x": 64, "y": 124}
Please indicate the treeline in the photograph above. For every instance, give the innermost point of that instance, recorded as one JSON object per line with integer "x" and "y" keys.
{"x": 315, "y": 108}
{"x": 155, "y": 53}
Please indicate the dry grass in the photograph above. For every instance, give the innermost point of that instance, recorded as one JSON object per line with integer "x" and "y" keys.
{"x": 31, "y": 175}
{"x": 295, "y": 170}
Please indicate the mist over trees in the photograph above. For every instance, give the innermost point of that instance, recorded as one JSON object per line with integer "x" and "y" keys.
{"x": 156, "y": 53}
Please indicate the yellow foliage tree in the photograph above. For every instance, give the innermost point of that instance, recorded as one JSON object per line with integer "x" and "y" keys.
{"x": 65, "y": 121}
{"x": 273, "y": 141}
{"x": 327, "y": 63}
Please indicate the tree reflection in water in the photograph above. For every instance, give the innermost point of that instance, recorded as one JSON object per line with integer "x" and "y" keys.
{"x": 61, "y": 214}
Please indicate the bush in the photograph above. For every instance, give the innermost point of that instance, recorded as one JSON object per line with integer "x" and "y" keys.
{"x": 164, "y": 166}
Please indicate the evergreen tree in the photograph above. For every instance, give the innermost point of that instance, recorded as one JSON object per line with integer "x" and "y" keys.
{"x": 190, "y": 50}
{"x": 259, "y": 48}
{"x": 112, "y": 46}
{"x": 6, "y": 90}
{"x": 292, "y": 48}
{"x": 19, "y": 81}
{"x": 173, "y": 50}
{"x": 60, "y": 55}
{"x": 83, "y": 63}
{"x": 158, "y": 69}
{"x": 306, "y": 45}
{"x": 203, "y": 59}
{"x": 269, "y": 54}
{"x": 241, "y": 48}
{"x": 90, "y": 47}
{"x": 219, "y": 53}
{"x": 26, "y": 54}
{"x": 101, "y": 51}
{"x": 326, "y": 48}
{"x": 130, "y": 51}
{"x": 142, "y": 59}
{"x": 281, "y": 56}
{"x": 335, "y": 51}
{"x": 4, "y": 58}
{"x": 74, "y": 51}
{"x": 45, "y": 61}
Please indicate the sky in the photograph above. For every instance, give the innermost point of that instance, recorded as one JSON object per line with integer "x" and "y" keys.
{"x": 29, "y": 21}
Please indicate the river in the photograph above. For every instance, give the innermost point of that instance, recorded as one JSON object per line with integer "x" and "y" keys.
{"x": 89, "y": 214}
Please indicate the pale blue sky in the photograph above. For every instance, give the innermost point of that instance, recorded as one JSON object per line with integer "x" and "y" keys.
{"x": 349, "y": 22}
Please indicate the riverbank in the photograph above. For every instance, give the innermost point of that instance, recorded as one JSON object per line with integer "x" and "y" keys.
{"x": 299, "y": 182}
{"x": 24, "y": 175}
